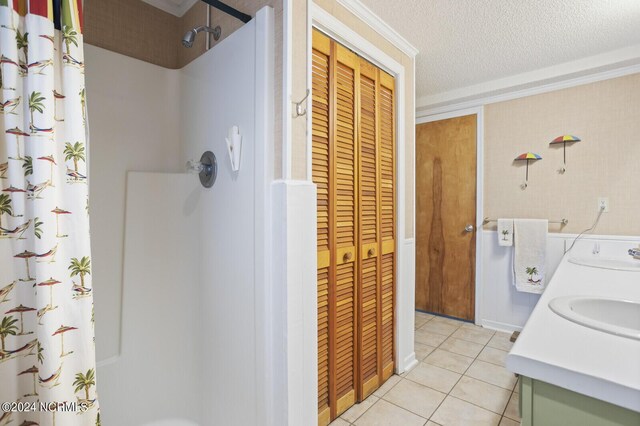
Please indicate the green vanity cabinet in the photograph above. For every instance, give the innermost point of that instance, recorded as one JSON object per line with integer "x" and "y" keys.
{"x": 543, "y": 404}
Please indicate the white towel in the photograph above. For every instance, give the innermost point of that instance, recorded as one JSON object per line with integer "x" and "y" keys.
{"x": 505, "y": 232}
{"x": 530, "y": 254}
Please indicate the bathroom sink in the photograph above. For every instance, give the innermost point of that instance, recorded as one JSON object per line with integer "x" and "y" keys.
{"x": 614, "y": 316}
{"x": 607, "y": 263}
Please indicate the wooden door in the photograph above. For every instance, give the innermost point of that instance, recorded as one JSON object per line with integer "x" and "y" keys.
{"x": 353, "y": 152}
{"x": 387, "y": 141}
{"x": 369, "y": 336}
{"x": 322, "y": 175}
{"x": 445, "y": 208}
{"x": 334, "y": 130}
{"x": 343, "y": 335}
{"x": 376, "y": 171}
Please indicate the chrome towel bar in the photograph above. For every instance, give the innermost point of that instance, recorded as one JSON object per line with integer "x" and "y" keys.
{"x": 562, "y": 222}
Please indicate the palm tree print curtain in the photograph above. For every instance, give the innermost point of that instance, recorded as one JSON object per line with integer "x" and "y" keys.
{"x": 47, "y": 352}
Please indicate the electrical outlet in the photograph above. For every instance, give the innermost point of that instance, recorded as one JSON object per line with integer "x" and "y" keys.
{"x": 603, "y": 202}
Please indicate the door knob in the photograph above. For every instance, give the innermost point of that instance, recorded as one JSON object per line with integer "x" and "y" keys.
{"x": 347, "y": 257}
{"x": 468, "y": 228}
{"x": 371, "y": 252}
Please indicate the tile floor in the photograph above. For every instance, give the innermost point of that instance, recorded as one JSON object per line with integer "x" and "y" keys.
{"x": 460, "y": 380}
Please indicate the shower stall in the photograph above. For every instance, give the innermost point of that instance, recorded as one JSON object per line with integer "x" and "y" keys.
{"x": 182, "y": 341}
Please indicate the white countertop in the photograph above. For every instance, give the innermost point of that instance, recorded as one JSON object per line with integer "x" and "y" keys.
{"x": 563, "y": 353}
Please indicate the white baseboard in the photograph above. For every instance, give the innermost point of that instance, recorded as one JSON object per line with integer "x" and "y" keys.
{"x": 499, "y": 326}
{"x": 409, "y": 363}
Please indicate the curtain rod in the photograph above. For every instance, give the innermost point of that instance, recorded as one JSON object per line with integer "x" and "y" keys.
{"x": 228, "y": 10}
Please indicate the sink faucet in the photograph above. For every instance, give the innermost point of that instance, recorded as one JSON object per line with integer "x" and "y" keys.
{"x": 635, "y": 252}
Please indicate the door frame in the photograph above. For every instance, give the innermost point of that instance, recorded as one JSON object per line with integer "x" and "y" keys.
{"x": 405, "y": 278}
{"x": 479, "y": 112}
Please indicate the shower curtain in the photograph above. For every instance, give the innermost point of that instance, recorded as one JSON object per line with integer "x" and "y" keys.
{"x": 47, "y": 354}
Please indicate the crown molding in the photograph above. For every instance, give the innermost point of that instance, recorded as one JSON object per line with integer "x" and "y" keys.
{"x": 374, "y": 21}
{"x": 617, "y": 63}
{"x": 171, "y": 7}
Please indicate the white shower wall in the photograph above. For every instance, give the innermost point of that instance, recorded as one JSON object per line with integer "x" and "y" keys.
{"x": 157, "y": 375}
{"x": 134, "y": 125}
{"x": 196, "y": 282}
{"x": 219, "y": 91}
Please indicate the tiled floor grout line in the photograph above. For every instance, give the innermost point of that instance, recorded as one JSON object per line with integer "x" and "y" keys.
{"x": 463, "y": 375}
{"x": 505, "y": 407}
{"x": 465, "y": 371}
{"x": 405, "y": 409}
{"x": 404, "y": 375}
{"x": 379, "y": 398}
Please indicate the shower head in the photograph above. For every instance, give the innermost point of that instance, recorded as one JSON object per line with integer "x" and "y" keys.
{"x": 189, "y": 37}
{"x": 187, "y": 40}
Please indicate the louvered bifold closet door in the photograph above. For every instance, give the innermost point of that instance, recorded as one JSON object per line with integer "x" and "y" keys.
{"x": 369, "y": 269}
{"x": 353, "y": 168}
{"x": 386, "y": 141}
{"x": 321, "y": 171}
{"x": 344, "y": 73}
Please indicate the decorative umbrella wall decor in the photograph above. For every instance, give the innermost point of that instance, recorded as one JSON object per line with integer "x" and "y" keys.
{"x": 564, "y": 140}
{"x": 527, "y": 156}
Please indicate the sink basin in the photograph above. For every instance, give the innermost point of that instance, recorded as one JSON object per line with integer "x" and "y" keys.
{"x": 607, "y": 263}
{"x": 614, "y": 316}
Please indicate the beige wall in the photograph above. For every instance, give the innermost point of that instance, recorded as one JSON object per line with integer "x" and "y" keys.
{"x": 346, "y": 17}
{"x": 116, "y": 25}
{"x": 299, "y": 87}
{"x": 606, "y": 116}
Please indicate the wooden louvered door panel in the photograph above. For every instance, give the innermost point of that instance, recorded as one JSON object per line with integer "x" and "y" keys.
{"x": 352, "y": 162}
{"x": 344, "y": 73}
{"x": 386, "y": 123}
{"x": 369, "y": 335}
{"x": 321, "y": 171}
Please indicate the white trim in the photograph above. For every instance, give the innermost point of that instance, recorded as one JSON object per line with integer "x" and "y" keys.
{"x": 605, "y": 237}
{"x": 405, "y": 289}
{"x": 263, "y": 253}
{"x": 479, "y": 211}
{"x": 287, "y": 87}
{"x": 309, "y": 117}
{"x": 296, "y": 301}
{"x": 507, "y": 89}
{"x": 500, "y": 326}
{"x": 365, "y": 14}
{"x": 479, "y": 112}
{"x": 410, "y": 362}
{"x": 331, "y": 26}
{"x": 172, "y": 8}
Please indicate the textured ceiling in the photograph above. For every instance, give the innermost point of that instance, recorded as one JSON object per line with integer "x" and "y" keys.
{"x": 465, "y": 43}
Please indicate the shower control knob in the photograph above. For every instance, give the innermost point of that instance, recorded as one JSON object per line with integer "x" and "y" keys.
{"x": 468, "y": 228}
